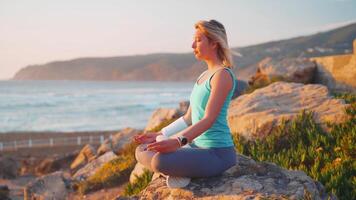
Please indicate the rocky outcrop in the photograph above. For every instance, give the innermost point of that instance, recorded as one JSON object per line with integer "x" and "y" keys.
{"x": 161, "y": 115}
{"x": 248, "y": 179}
{"x": 90, "y": 168}
{"x": 337, "y": 72}
{"x": 9, "y": 167}
{"x": 52, "y": 186}
{"x": 117, "y": 141}
{"x": 56, "y": 163}
{"x": 85, "y": 155}
{"x": 255, "y": 115}
{"x": 299, "y": 70}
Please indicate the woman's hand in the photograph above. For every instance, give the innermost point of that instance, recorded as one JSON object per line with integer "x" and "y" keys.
{"x": 164, "y": 146}
{"x": 147, "y": 137}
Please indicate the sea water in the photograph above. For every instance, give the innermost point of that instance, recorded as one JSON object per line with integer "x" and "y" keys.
{"x": 85, "y": 105}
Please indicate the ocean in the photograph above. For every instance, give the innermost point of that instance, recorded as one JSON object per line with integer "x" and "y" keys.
{"x": 68, "y": 106}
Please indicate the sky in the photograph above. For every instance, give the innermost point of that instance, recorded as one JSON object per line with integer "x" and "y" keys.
{"x": 41, "y": 31}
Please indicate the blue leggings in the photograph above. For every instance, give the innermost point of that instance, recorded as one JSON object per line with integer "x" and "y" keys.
{"x": 192, "y": 162}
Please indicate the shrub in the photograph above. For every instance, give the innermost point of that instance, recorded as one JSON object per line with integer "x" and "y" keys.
{"x": 302, "y": 144}
{"x": 140, "y": 183}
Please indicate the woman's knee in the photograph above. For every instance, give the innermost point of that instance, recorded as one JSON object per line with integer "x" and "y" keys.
{"x": 158, "y": 164}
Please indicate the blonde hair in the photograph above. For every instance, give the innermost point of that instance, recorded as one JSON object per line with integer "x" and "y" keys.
{"x": 215, "y": 32}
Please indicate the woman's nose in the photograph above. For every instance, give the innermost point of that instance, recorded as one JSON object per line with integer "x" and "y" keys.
{"x": 193, "y": 45}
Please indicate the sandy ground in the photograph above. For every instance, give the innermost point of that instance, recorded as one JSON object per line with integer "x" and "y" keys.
{"x": 16, "y": 185}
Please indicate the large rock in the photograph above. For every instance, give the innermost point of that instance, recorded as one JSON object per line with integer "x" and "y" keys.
{"x": 248, "y": 179}
{"x": 299, "y": 70}
{"x": 85, "y": 155}
{"x": 117, "y": 141}
{"x": 161, "y": 115}
{"x": 9, "y": 167}
{"x": 90, "y": 168}
{"x": 337, "y": 72}
{"x": 255, "y": 115}
{"x": 52, "y": 186}
{"x": 56, "y": 163}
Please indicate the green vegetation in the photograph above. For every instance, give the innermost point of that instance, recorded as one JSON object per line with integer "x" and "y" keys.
{"x": 140, "y": 184}
{"x": 113, "y": 173}
{"x": 263, "y": 83}
{"x": 302, "y": 144}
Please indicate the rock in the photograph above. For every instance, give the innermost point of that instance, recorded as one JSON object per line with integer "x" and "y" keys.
{"x": 245, "y": 180}
{"x": 255, "y": 115}
{"x": 137, "y": 171}
{"x": 9, "y": 167}
{"x": 117, "y": 141}
{"x": 90, "y": 168}
{"x": 85, "y": 155}
{"x": 4, "y": 192}
{"x": 337, "y": 72}
{"x": 50, "y": 165}
{"x": 161, "y": 115}
{"x": 52, "y": 186}
{"x": 299, "y": 70}
{"x": 240, "y": 87}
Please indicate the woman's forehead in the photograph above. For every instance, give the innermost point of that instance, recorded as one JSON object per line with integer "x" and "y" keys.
{"x": 198, "y": 33}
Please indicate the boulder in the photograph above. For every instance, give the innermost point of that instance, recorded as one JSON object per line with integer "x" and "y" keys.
{"x": 52, "y": 186}
{"x": 90, "y": 168}
{"x": 161, "y": 115}
{"x": 299, "y": 70}
{"x": 255, "y": 115}
{"x": 9, "y": 167}
{"x": 56, "y": 163}
{"x": 85, "y": 155}
{"x": 248, "y": 179}
{"x": 117, "y": 141}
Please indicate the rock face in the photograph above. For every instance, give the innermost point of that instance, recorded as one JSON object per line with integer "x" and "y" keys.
{"x": 248, "y": 179}
{"x": 90, "y": 168}
{"x": 85, "y": 155}
{"x": 161, "y": 115}
{"x": 117, "y": 141}
{"x": 50, "y": 165}
{"x": 299, "y": 70}
{"x": 337, "y": 72}
{"x": 52, "y": 186}
{"x": 9, "y": 167}
{"x": 255, "y": 115}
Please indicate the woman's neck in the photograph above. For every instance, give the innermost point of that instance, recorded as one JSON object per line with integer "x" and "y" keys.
{"x": 214, "y": 63}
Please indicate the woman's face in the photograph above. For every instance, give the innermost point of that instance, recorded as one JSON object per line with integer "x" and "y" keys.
{"x": 203, "y": 49}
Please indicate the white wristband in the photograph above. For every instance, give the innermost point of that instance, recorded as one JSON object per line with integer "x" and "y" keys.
{"x": 174, "y": 127}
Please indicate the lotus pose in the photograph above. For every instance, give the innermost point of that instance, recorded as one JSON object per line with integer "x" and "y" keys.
{"x": 204, "y": 127}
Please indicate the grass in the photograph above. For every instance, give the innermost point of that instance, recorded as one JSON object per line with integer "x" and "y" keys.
{"x": 302, "y": 144}
{"x": 140, "y": 183}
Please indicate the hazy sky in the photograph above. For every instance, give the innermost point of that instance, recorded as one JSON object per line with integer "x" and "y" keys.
{"x": 40, "y": 31}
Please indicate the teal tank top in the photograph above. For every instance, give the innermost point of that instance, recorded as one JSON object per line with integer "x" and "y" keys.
{"x": 218, "y": 135}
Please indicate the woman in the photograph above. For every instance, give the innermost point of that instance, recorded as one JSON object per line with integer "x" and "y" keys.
{"x": 204, "y": 127}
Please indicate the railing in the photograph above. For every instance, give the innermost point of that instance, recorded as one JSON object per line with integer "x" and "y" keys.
{"x": 52, "y": 142}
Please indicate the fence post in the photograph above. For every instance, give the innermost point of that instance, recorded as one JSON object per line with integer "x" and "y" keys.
{"x": 15, "y": 145}
{"x": 51, "y": 142}
{"x": 90, "y": 139}
{"x": 79, "y": 140}
{"x": 30, "y": 143}
{"x": 1, "y": 146}
{"x": 101, "y": 139}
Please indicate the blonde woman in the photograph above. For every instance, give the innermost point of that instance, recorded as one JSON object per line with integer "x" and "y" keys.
{"x": 204, "y": 127}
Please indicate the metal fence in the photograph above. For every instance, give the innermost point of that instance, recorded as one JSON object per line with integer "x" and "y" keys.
{"x": 52, "y": 142}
